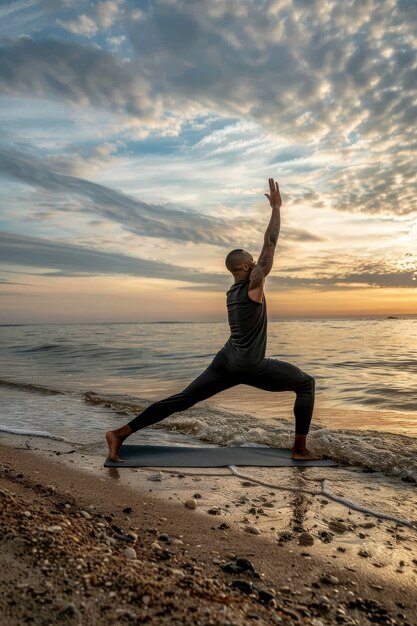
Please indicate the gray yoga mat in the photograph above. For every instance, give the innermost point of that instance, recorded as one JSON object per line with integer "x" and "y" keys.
{"x": 176, "y": 456}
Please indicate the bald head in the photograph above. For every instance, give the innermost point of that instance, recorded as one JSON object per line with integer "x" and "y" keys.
{"x": 235, "y": 258}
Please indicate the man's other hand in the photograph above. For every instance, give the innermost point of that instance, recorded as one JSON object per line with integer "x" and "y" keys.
{"x": 274, "y": 195}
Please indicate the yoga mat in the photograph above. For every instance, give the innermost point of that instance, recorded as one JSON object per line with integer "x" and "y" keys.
{"x": 176, "y": 456}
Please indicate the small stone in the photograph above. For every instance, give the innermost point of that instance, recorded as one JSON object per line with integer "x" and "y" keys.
{"x": 191, "y": 504}
{"x": 305, "y": 539}
{"x": 177, "y": 542}
{"x": 27, "y": 513}
{"x": 127, "y": 509}
{"x": 197, "y": 496}
{"x": 155, "y": 546}
{"x": 177, "y": 572}
{"x": 329, "y": 579}
{"x": 129, "y": 553}
{"x": 324, "y": 602}
{"x": 146, "y": 599}
{"x": 163, "y": 537}
{"x": 54, "y": 529}
{"x": 337, "y": 526}
{"x": 86, "y": 514}
{"x": 155, "y": 477}
{"x": 131, "y": 536}
{"x": 325, "y": 536}
{"x": 243, "y": 586}
{"x": 247, "y": 483}
{"x": 341, "y": 549}
{"x": 215, "y": 510}
{"x": 245, "y": 564}
{"x": 362, "y": 535}
{"x": 252, "y": 530}
{"x": 364, "y": 553}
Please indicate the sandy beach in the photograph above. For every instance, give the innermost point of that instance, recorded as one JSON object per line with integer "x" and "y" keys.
{"x": 84, "y": 544}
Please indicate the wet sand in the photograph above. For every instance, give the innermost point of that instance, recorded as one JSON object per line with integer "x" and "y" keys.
{"x": 84, "y": 544}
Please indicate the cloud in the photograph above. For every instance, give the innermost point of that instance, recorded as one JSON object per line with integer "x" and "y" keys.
{"x": 82, "y": 25}
{"x": 136, "y": 216}
{"x": 79, "y": 74}
{"x": 72, "y": 260}
{"x": 107, "y": 13}
{"x": 66, "y": 259}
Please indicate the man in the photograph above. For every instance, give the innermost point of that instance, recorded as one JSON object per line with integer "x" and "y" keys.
{"x": 241, "y": 361}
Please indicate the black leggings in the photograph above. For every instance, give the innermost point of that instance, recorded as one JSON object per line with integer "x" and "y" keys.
{"x": 268, "y": 374}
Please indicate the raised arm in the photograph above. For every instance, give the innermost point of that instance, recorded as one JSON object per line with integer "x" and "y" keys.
{"x": 266, "y": 258}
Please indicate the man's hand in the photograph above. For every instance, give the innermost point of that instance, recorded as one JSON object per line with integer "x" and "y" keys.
{"x": 274, "y": 196}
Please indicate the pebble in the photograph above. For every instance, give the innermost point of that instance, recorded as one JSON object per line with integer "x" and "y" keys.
{"x": 338, "y": 526}
{"x": 163, "y": 537}
{"x": 177, "y": 572}
{"x": 130, "y": 553}
{"x": 329, "y": 579}
{"x": 215, "y": 510}
{"x": 86, "y": 514}
{"x": 155, "y": 477}
{"x": 324, "y": 602}
{"x": 54, "y": 529}
{"x": 243, "y": 585}
{"x": 305, "y": 539}
{"x": 27, "y": 513}
{"x": 325, "y": 536}
{"x": 197, "y": 496}
{"x": 177, "y": 542}
{"x": 131, "y": 535}
{"x": 253, "y": 530}
{"x": 155, "y": 546}
{"x": 191, "y": 504}
{"x": 364, "y": 553}
{"x": 247, "y": 483}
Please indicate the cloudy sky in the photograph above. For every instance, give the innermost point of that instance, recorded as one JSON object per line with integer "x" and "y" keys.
{"x": 137, "y": 139}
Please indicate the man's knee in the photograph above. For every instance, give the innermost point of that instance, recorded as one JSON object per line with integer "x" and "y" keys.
{"x": 307, "y": 383}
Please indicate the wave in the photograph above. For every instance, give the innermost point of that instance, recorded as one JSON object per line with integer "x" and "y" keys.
{"x": 30, "y": 387}
{"x": 375, "y": 451}
{"x": 31, "y": 433}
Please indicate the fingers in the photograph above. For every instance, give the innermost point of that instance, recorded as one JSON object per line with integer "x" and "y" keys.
{"x": 273, "y": 186}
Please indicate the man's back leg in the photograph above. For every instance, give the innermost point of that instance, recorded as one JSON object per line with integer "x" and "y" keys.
{"x": 207, "y": 384}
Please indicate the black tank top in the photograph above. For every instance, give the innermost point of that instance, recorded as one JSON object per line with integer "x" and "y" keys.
{"x": 248, "y": 325}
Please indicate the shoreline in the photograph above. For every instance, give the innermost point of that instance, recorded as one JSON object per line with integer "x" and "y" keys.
{"x": 301, "y": 539}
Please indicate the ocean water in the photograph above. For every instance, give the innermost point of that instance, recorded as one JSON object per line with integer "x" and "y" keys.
{"x": 77, "y": 380}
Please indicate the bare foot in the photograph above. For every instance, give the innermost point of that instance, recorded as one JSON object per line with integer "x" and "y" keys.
{"x": 114, "y": 443}
{"x": 304, "y": 455}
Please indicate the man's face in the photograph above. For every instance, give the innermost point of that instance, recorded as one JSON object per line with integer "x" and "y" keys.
{"x": 251, "y": 262}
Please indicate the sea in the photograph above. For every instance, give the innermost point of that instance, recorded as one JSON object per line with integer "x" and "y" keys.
{"x": 75, "y": 381}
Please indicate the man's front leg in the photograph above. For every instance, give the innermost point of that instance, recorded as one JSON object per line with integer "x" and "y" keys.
{"x": 300, "y": 452}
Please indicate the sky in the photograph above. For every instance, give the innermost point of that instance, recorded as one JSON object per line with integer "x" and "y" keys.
{"x": 137, "y": 139}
